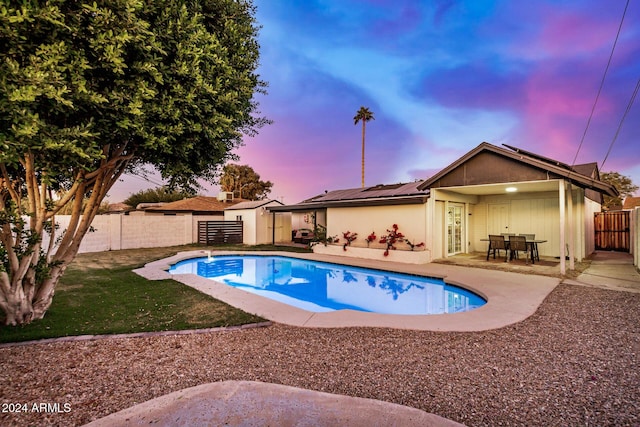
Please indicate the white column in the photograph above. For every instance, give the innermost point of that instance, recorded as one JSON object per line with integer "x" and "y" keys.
{"x": 445, "y": 228}
{"x": 572, "y": 237}
{"x": 561, "y": 197}
{"x": 466, "y": 228}
{"x": 431, "y": 218}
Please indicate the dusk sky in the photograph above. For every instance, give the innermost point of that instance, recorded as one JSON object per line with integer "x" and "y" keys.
{"x": 440, "y": 77}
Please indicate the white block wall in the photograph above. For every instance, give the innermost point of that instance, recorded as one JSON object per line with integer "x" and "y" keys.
{"x": 115, "y": 232}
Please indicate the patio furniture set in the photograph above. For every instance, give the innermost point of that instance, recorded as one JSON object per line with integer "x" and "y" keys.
{"x": 512, "y": 244}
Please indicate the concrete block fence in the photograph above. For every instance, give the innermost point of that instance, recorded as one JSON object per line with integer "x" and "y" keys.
{"x": 115, "y": 232}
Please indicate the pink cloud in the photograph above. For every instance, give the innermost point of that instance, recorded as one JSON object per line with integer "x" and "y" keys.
{"x": 577, "y": 34}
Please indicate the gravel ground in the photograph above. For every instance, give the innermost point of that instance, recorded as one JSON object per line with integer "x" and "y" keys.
{"x": 574, "y": 362}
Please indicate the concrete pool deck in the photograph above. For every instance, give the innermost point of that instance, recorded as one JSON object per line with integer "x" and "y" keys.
{"x": 511, "y": 297}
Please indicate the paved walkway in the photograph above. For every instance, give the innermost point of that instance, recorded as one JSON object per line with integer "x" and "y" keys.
{"x": 610, "y": 270}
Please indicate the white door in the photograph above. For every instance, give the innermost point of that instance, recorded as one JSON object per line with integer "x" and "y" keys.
{"x": 498, "y": 218}
{"x": 455, "y": 228}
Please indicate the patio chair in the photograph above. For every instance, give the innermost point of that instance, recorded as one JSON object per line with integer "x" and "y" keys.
{"x": 497, "y": 243}
{"x": 518, "y": 244}
{"x": 534, "y": 246}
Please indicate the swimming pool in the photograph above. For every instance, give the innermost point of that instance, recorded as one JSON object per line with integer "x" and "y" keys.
{"x": 321, "y": 287}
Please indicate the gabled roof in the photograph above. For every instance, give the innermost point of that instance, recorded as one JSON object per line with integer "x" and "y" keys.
{"x": 201, "y": 204}
{"x": 392, "y": 194}
{"x": 631, "y": 202}
{"x": 253, "y": 204}
{"x": 585, "y": 176}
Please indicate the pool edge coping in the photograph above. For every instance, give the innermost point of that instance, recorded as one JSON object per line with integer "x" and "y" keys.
{"x": 511, "y": 297}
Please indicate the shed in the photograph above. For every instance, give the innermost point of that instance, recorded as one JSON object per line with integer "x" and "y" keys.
{"x": 260, "y": 226}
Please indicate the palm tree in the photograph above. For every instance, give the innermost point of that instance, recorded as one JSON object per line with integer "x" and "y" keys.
{"x": 365, "y": 115}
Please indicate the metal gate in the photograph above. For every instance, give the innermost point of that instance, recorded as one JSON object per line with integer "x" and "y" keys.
{"x": 612, "y": 230}
{"x": 218, "y": 232}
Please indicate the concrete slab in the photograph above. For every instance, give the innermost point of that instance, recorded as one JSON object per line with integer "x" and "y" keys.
{"x": 511, "y": 297}
{"x": 248, "y": 403}
{"x": 610, "y": 270}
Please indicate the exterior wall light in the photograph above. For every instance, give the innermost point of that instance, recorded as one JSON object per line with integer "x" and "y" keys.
{"x": 511, "y": 189}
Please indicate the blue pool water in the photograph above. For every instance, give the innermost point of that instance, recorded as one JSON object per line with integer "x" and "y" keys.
{"x": 319, "y": 287}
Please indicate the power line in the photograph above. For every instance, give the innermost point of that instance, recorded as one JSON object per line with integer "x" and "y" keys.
{"x": 144, "y": 178}
{"x": 624, "y": 116}
{"x": 601, "y": 84}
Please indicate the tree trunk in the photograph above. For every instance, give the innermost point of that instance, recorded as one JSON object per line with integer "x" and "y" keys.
{"x": 28, "y": 285}
{"x": 363, "y": 130}
{"x": 44, "y": 297}
{"x": 18, "y": 310}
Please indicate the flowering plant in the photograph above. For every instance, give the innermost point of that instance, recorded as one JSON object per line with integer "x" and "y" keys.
{"x": 349, "y": 237}
{"x": 392, "y": 237}
{"x": 414, "y": 245}
{"x": 371, "y": 237}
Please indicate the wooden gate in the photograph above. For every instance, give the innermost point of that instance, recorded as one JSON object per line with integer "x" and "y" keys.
{"x": 218, "y": 232}
{"x": 612, "y": 230}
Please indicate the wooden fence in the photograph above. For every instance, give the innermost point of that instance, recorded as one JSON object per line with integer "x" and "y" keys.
{"x": 218, "y": 232}
{"x": 612, "y": 231}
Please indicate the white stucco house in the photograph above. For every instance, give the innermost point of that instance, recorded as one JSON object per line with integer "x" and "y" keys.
{"x": 489, "y": 190}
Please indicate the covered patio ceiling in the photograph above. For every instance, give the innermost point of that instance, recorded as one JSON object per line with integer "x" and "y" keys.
{"x": 501, "y": 188}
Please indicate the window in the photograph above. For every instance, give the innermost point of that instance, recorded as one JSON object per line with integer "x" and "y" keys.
{"x": 238, "y": 217}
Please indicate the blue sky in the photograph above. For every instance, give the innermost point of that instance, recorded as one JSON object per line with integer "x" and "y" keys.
{"x": 440, "y": 77}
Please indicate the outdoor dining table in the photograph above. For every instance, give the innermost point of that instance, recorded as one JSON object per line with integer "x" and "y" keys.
{"x": 532, "y": 247}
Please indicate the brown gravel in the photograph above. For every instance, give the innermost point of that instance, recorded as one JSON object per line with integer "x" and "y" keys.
{"x": 574, "y": 362}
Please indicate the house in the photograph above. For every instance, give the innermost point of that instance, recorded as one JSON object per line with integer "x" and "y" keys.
{"x": 259, "y": 225}
{"x": 196, "y": 206}
{"x": 631, "y": 202}
{"x": 363, "y": 211}
{"x": 489, "y": 190}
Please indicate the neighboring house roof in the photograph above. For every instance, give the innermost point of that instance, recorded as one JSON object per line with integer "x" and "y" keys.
{"x": 631, "y": 202}
{"x": 377, "y": 195}
{"x": 200, "y": 204}
{"x": 488, "y": 164}
{"x": 146, "y": 205}
{"x": 119, "y": 208}
{"x": 253, "y": 204}
{"x": 588, "y": 169}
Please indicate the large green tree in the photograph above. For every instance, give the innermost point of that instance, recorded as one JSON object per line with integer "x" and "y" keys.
{"x": 244, "y": 182}
{"x": 91, "y": 90}
{"x": 364, "y": 115}
{"x": 623, "y": 184}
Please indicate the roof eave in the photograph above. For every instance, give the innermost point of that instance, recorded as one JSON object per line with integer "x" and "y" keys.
{"x": 413, "y": 200}
{"x": 574, "y": 177}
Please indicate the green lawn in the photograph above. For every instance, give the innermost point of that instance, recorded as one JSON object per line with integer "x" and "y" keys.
{"x": 99, "y": 294}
